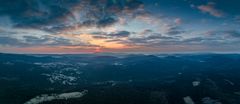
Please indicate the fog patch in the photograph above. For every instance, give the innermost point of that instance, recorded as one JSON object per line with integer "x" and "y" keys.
{"x": 188, "y": 100}
{"x": 45, "y": 97}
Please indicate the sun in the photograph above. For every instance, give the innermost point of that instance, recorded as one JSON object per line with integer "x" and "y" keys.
{"x": 97, "y": 50}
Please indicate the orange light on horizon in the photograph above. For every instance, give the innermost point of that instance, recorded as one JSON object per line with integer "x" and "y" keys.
{"x": 98, "y": 50}
{"x": 101, "y": 42}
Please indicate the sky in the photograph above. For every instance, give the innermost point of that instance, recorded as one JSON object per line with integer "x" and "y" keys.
{"x": 89, "y": 26}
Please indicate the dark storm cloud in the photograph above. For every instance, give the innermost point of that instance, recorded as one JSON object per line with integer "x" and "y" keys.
{"x": 55, "y": 15}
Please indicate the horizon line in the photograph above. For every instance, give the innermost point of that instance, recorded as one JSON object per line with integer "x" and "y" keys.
{"x": 147, "y": 53}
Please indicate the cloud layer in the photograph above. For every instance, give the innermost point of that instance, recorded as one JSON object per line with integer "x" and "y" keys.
{"x": 117, "y": 25}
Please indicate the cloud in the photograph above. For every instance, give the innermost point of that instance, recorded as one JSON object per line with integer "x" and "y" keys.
{"x": 70, "y": 17}
{"x": 178, "y": 21}
{"x": 32, "y": 39}
{"x": 120, "y": 34}
{"x": 174, "y": 30}
{"x": 194, "y": 40}
{"x": 100, "y": 37}
{"x": 117, "y": 35}
{"x": 225, "y": 34}
{"x": 104, "y": 23}
{"x": 233, "y": 33}
{"x": 146, "y": 32}
{"x": 32, "y": 12}
{"x": 209, "y": 39}
{"x": 5, "y": 22}
{"x": 214, "y": 38}
{"x": 58, "y": 15}
{"x": 9, "y": 41}
{"x": 26, "y": 40}
{"x": 159, "y": 36}
{"x": 102, "y": 13}
{"x": 201, "y": 41}
{"x": 149, "y": 37}
{"x": 237, "y": 18}
{"x": 210, "y": 8}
